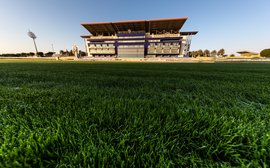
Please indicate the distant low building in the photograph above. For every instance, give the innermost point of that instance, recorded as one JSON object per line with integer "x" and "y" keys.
{"x": 138, "y": 39}
{"x": 247, "y": 53}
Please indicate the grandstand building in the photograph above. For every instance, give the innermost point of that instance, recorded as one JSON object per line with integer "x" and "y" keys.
{"x": 138, "y": 38}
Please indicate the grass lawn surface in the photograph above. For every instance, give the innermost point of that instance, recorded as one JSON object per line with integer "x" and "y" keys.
{"x": 82, "y": 114}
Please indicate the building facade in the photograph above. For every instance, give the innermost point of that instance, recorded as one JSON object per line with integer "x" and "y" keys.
{"x": 138, "y": 39}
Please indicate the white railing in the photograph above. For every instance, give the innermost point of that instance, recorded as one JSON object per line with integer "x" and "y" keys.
{"x": 163, "y": 35}
{"x": 103, "y": 37}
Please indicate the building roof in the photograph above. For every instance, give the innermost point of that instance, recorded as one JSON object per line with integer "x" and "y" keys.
{"x": 85, "y": 36}
{"x": 247, "y": 52}
{"x": 189, "y": 33}
{"x": 152, "y": 26}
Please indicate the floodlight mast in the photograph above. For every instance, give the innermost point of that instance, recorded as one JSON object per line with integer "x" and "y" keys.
{"x": 33, "y": 36}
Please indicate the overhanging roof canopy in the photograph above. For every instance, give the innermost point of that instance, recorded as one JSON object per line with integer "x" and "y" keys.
{"x": 189, "y": 33}
{"x": 247, "y": 52}
{"x": 107, "y": 28}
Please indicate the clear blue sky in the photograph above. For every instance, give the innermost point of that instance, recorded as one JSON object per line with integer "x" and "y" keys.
{"x": 230, "y": 24}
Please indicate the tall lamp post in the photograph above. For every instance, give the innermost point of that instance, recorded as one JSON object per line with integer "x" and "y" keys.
{"x": 33, "y": 36}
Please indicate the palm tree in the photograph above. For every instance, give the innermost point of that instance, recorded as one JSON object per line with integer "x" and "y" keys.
{"x": 194, "y": 54}
{"x": 214, "y": 53}
{"x": 206, "y": 53}
{"x": 61, "y": 52}
{"x": 200, "y": 53}
{"x": 221, "y": 52}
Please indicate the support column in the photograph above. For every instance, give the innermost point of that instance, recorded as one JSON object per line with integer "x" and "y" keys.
{"x": 188, "y": 43}
{"x": 181, "y": 48}
{"x": 87, "y": 47}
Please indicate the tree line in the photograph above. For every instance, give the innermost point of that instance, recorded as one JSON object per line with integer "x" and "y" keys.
{"x": 198, "y": 53}
{"x": 30, "y": 54}
{"x": 41, "y": 54}
{"x": 207, "y": 53}
{"x": 70, "y": 53}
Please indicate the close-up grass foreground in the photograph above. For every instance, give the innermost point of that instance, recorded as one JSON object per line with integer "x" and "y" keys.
{"x": 83, "y": 114}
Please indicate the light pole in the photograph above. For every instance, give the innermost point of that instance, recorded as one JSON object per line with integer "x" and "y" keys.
{"x": 33, "y": 36}
{"x": 52, "y": 48}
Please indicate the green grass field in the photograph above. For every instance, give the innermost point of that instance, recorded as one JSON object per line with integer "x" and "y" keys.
{"x": 66, "y": 114}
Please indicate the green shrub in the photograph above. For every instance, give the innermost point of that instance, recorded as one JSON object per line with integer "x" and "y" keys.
{"x": 49, "y": 54}
{"x": 17, "y": 55}
{"x": 40, "y": 54}
{"x": 265, "y": 53}
{"x": 82, "y": 53}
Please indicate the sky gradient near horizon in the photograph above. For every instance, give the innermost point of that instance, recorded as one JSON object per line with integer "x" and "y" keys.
{"x": 230, "y": 24}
